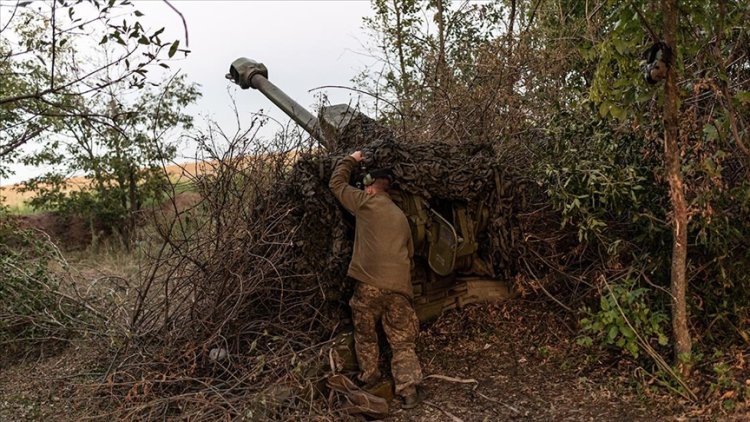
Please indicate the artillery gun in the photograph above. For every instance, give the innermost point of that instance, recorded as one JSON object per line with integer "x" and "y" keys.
{"x": 449, "y": 271}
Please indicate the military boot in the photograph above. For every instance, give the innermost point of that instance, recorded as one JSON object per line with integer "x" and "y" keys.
{"x": 413, "y": 398}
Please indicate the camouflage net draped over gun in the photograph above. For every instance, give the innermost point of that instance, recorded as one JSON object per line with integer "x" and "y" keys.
{"x": 435, "y": 171}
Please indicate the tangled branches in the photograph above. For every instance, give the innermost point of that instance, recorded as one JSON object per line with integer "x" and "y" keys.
{"x": 223, "y": 313}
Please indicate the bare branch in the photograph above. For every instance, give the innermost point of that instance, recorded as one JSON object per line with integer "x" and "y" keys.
{"x": 23, "y": 139}
{"x": 184, "y": 23}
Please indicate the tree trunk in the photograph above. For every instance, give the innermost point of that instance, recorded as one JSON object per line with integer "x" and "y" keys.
{"x": 511, "y": 23}
{"x": 405, "y": 86}
{"x": 441, "y": 67}
{"x": 682, "y": 345}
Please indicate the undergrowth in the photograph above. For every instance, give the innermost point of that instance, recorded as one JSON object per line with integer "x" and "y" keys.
{"x": 34, "y": 317}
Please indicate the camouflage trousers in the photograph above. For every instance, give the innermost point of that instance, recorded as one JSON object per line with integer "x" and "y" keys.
{"x": 371, "y": 305}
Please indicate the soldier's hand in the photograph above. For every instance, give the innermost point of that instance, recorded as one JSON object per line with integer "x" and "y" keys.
{"x": 357, "y": 155}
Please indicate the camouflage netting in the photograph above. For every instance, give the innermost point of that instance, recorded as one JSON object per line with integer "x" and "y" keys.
{"x": 435, "y": 171}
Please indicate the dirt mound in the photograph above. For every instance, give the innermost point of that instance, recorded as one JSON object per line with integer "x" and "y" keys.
{"x": 72, "y": 232}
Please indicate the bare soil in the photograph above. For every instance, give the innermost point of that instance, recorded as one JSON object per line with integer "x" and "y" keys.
{"x": 48, "y": 388}
{"x": 527, "y": 367}
{"x": 511, "y": 361}
{"x": 72, "y": 232}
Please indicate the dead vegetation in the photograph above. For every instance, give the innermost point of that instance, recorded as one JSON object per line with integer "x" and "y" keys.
{"x": 246, "y": 288}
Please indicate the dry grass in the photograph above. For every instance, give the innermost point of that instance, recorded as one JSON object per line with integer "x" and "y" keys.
{"x": 14, "y": 198}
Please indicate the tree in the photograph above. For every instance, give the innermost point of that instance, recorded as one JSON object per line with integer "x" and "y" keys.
{"x": 444, "y": 68}
{"x": 682, "y": 346}
{"x": 120, "y": 155}
{"x": 705, "y": 137}
{"x": 45, "y": 78}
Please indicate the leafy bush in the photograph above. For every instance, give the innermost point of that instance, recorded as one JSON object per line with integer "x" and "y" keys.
{"x": 32, "y": 311}
{"x": 602, "y": 180}
{"x": 625, "y": 313}
{"x": 720, "y": 263}
{"x": 599, "y": 178}
{"x": 121, "y": 158}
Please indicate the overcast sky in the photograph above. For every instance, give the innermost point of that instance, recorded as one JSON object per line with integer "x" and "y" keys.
{"x": 304, "y": 45}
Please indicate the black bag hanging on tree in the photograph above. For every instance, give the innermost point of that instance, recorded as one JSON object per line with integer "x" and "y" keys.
{"x": 658, "y": 57}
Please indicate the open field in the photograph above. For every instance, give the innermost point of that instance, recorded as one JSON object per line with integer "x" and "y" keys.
{"x": 18, "y": 201}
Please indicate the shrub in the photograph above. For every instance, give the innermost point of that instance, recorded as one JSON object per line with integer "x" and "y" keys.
{"x": 32, "y": 310}
{"x": 625, "y": 313}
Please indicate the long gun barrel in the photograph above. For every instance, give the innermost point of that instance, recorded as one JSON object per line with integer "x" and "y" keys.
{"x": 250, "y": 74}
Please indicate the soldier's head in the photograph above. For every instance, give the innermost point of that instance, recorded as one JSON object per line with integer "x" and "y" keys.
{"x": 377, "y": 181}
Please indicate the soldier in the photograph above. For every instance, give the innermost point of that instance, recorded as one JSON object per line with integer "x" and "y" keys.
{"x": 381, "y": 264}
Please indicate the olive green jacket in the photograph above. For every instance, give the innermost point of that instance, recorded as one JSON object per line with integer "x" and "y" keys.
{"x": 382, "y": 239}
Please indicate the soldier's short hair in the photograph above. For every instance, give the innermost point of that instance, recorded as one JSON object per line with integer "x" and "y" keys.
{"x": 382, "y": 173}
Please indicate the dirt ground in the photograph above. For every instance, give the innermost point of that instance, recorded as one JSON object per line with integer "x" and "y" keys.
{"x": 46, "y": 388}
{"x": 526, "y": 367}
{"x": 511, "y": 361}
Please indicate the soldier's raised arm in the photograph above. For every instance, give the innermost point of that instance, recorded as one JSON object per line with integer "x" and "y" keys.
{"x": 350, "y": 197}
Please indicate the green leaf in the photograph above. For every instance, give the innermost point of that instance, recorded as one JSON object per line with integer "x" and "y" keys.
{"x": 743, "y": 97}
{"x": 138, "y": 13}
{"x": 618, "y": 113}
{"x": 710, "y": 166}
{"x": 604, "y": 108}
{"x": 173, "y": 48}
{"x": 710, "y": 131}
{"x": 118, "y": 37}
{"x": 632, "y": 348}
{"x": 612, "y": 334}
{"x": 663, "y": 341}
{"x": 644, "y": 97}
{"x": 585, "y": 341}
{"x": 620, "y": 45}
{"x": 144, "y": 40}
{"x": 627, "y": 332}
